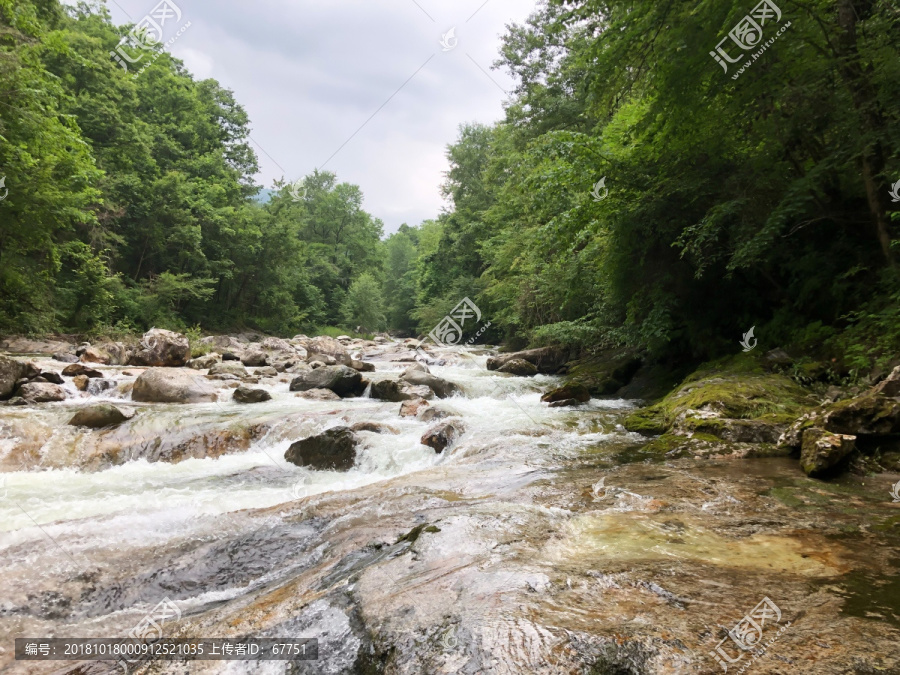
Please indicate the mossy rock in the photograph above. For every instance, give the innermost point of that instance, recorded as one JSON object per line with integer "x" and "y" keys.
{"x": 605, "y": 373}
{"x": 731, "y": 399}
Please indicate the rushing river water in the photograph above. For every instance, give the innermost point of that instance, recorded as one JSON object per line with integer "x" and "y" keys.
{"x": 554, "y": 544}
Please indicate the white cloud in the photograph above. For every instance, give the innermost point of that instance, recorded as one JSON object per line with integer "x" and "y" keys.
{"x": 310, "y": 73}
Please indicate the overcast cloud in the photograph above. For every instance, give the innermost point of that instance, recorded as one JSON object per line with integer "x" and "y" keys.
{"x": 311, "y": 72}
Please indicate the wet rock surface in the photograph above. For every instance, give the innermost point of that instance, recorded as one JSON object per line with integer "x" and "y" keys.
{"x": 342, "y": 380}
{"x": 172, "y": 385}
{"x": 334, "y": 450}
{"x": 102, "y": 415}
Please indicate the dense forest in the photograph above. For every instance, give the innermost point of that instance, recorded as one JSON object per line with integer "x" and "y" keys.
{"x": 654, "y": 185}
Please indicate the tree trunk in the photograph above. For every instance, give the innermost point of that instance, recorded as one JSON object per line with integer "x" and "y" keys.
{"x": 865, "y": 101}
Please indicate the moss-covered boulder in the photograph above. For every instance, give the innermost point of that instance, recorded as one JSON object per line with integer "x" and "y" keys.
{"x": 732, "y": 399}
{"x": 823, "y": 451}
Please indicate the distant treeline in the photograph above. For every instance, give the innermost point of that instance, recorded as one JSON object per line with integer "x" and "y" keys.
{"x": 636, "y": 195}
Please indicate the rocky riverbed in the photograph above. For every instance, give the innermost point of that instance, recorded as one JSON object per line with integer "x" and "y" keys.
{"x": 540, "y": 539}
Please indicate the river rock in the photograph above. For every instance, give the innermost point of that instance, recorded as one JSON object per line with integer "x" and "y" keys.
{"x": 79, "y": 369}
{"x": 255, "y": 358}
{"x": 362, "y": 366}
{"x": 391, "y": 390}
{"x": 421, "y": 367}
{"x": 375, "y": 428}
{"x": 97, "y": 386}
{"x": 890, "y": 386}
{"x": 50, "y": 376}
{"x": 11, "y": 371}
{"x": 267, "y": 371}
{"x": 319, "y": 395}
{"x": 412, "y": 408}
{"x": 204, "y": 362}
{"x": 324, "y": 346}
{"x": 101, "y": 415}
{"x": 118, "y": 353}
{"x": 548, "y": 360}
{"x": 162, "y": 348}
{"x": 443, "y": 388}
{"x": 418, "y": 391}
{"x": 823, "y": 451}
{"x": 65, "y": 357}
{"x": 443, "y": 435}
{"x": 565, "y": 403}
{"x": 569, "y": 391}
{"x": 96, "y": 355}
{"x": 42, "y": 392}
{"x": 430, "y": 414}
{"x": 235, "y": 368}
{"x": 334, "y": 450}
{"x": 249, "y": 395}
{"x": 519, "y": 367}
{"x": 343, "y": 381}
{"x": 172, "y": 385}
{"x": 81, "y": 382}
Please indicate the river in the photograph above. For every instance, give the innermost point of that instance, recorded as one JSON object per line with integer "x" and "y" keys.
{"x": 549, "y": 541}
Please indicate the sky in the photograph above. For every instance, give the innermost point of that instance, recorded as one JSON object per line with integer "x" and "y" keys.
{"x": 363, "y": 88}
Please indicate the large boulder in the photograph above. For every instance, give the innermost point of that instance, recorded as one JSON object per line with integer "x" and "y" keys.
{"x": 41, "y": 392}
{"x": 204, "y": 362}
{"x": 118, "y": 353}
{"x": 890, "y": 386}
{"x": 391, "y": 390}
{"x": 172, "y": 385}
{"x": 102, "y": 415}
{"x": 255, "y": 358}
{"x": 235, "y": 368}
{"x": 323, "y": 346}
{"x": 343, "y": 381}
{"x": 519, "y": 367}
{"x": 162, "y": 348}
{"x": 823, "y": 451}
{"x": 569, "y": 391}
{"x": 96, "y": 355}
{"x": 443, "y": 388}
{"x": 868, "y": 415}
{"x": 75, "y": 369}
{"x": 547, "y": 360}
{"x": 443, "y": 435}
{"x": 11, "y": 371}
{"x": 334, "y": 450}
{"x": 224, "y": 344}
{"x": 249, "y": 395}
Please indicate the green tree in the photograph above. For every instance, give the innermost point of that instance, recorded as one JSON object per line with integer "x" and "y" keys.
{"x": 363, "y": 309}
